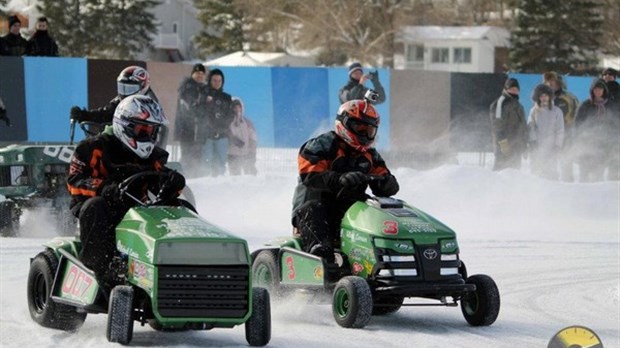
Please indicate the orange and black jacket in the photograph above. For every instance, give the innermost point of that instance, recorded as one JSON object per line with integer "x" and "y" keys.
{"x": 323, "y": 159}
{"x": 99, "y": 160}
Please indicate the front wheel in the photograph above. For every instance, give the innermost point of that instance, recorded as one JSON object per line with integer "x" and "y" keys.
{"x": 120, "y": 315}
{"x": 481, "y": 307}
{"x": 42, "y": 309}
{"x": 352, "y": 302}
{"x": 258, "y": 327}
{"x": 266, "y": 273}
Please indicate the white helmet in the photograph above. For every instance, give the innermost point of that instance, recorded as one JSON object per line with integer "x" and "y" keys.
{"x": 133, "y": 80}
{"x": 136, "y": 123}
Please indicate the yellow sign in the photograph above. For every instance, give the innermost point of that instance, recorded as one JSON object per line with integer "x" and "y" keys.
{"x": 575, "y": 337}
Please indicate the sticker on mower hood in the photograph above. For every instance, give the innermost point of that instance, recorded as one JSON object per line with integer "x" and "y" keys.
{"x": 417, "y": 226}
{"x": 63, "y": 152}
{"x": 192, "y": 227}
{"x": 390, "y": 227}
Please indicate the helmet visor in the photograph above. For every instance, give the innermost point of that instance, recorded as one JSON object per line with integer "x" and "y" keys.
{"x": 127, "y": 88}
{"x": 142, "y": 132}
{"x": 362, "y": 129}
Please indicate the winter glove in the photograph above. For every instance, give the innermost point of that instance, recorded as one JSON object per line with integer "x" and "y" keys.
{"x": 76, "y": 113}
{"x": 112, "y": 195}
{"x": 386, "y": 187}
{"x": 373, "y": 76}
{"x": 4, "y": 117}
{"x": 353, "y": 179}
{"x": 504, "y": 147}
{"x": 171, "y": 185}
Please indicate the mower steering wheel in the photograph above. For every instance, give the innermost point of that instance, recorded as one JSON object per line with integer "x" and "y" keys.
{"x": 129, "y": 183}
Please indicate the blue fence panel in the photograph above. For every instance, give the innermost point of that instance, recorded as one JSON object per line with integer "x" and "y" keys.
{"x": 53, "y": 85}
{"x": 253, "y": 86}
{"x": 301, "y": 105}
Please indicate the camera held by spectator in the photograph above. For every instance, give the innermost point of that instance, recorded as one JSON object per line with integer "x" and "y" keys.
{"x": 371, "y": 95}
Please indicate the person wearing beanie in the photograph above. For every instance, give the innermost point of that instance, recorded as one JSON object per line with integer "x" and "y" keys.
{"x": 355, "y": 88}
{"x": 216, "y": 129}
{"x": 41, "y": 43}
{"x": 546, "y": 133}
{"x": 597, "y": 126}
{"x": 508, "y": 128}
{"x": 610, "y": 75}
{"x": 190, "y": 117}
{"x": 13, "y": 43}
{"x": 568, "y": 103}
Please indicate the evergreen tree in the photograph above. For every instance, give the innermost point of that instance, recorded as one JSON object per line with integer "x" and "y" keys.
{"x": 556, "y": 35}
{"x": 224, "y": 27}
{"x": 115, "y": 29}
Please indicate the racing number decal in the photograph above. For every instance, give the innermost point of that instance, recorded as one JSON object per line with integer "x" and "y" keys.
{"x": 77, "y": 282}
{"x": 390, "y": 227}
{"x": 291, "y": 267}
{"x": 63, "y": 153}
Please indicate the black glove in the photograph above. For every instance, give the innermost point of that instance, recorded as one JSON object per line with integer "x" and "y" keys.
{"x": 352, "y": 179}
{"x": 374, "y": 76}
{"x": 4, "y": 117}
{"x": 387, "y": 187}
{"x": 111, "y": 193}
{"x": 76, "y": 113}
{"x": 171, "y": 185}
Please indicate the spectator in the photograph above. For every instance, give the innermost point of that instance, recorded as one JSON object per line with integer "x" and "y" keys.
{"x": 3, "y": 116}
{"x": 191, "y": 114}
{"x": 597, "y": 134}
{"x": 355, "y": 89}
{"x": 546, "y": 133}
{"x": 242, "y": 142}
{"x": 610, "y": 75}
{"x": 14, "y": 43}
{"x": 217, "y": 128}
{"x": 509, "y": 131}
{"x": 568, "y": 103}
{"x": 41, "y": 43}
{"x": 333, "y": 174}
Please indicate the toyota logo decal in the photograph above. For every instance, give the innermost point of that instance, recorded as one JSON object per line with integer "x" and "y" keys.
{"x": 430, "y": 254}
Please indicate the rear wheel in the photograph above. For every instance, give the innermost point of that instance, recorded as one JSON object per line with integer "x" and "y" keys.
{"x": 383, "y": 305}
{"x": 42, "y": 309}
{"x": 120, "y": 315}
{"x": 352, "y": 302}
{"x": 266, "y": 273}
{"x": 481, "y": 307}
{"x": 258, "y": 327}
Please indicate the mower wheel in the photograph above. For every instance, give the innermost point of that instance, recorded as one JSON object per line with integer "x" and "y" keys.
{"x": 258, "y": 327}
{"x": 481, "y": 307}
{"x": 120, "y": 315}
{"x": 43, "y": 310}
{"x": 266, "y": 273}
{"x": 352, "y": 302}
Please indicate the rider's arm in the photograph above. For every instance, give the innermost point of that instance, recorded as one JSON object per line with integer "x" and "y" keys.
{"x": 383, "y": 188}
{"x": 314, "y": 162}
{"x": 86, "y": 172}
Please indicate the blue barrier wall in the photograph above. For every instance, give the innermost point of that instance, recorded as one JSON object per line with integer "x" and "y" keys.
{"x": 53, "y": 85}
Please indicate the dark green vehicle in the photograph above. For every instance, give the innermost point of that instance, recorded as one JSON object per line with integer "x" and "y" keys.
{"x": 180, "y": 273}
{"x": 388, "y": 251}
{"x": 34, "y": 176}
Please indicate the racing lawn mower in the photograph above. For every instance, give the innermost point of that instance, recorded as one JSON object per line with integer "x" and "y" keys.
{"x": 177, "y": 272}
{"x": 388, "y": 251}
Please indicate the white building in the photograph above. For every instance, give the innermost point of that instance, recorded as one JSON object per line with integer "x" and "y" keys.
{"x": 178, "y": 24}
{"x": 455, "y": 49}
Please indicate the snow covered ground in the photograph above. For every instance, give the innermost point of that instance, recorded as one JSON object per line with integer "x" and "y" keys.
{"x": 552, "y": 248}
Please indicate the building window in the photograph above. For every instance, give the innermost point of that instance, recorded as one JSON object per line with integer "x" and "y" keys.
{"x": 462, "y": 55}
{"x": 440, "y": 55}
{"x": 175, "y": 26}
{"x": 415, "y": 53}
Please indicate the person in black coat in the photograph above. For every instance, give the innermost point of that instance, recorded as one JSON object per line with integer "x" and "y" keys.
{"x": 355, "y": 89}
{"x": 41, "y": 43}
{"x": 216, "y": 129}
{"x": 610, "y": 75}
{"x": 191, "y": 114}
{"x": 13, "y": 43}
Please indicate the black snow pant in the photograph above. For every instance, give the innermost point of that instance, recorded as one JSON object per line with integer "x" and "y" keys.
{"x": 319, "y": 225}
{"x": 97, "y": 233}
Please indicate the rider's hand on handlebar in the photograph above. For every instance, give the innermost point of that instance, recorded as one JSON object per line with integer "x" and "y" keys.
{"x": 112, "y": 194}
{"x": 352, "y": 179}
{"x": 171, "y": 185}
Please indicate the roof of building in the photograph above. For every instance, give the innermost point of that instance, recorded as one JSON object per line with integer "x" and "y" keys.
{"x": 498, "y": 36}
{"x": 247, "y": 58}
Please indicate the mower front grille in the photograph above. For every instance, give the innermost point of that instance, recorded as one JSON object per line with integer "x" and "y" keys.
{"x": 203, "y": 292}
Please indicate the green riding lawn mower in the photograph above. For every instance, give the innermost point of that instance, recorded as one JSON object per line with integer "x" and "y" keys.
{"x": 389, "y": 251}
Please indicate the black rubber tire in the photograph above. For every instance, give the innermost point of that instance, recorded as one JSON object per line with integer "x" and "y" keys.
{"x": 120, "y": 315}
{"x": 383, "y": 305}
{"x": 481, "y": 307}
{"x": 258, "y": 327}
{"x": 42, "y": 309}
{"x": 352, "y": 302}
{"x": 266, "y": 273}
{"x": 9, "y": 219}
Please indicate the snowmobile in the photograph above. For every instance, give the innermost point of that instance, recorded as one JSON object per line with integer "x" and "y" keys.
{"x": 387, "y": 251}
{"x": 176, "y": 272}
